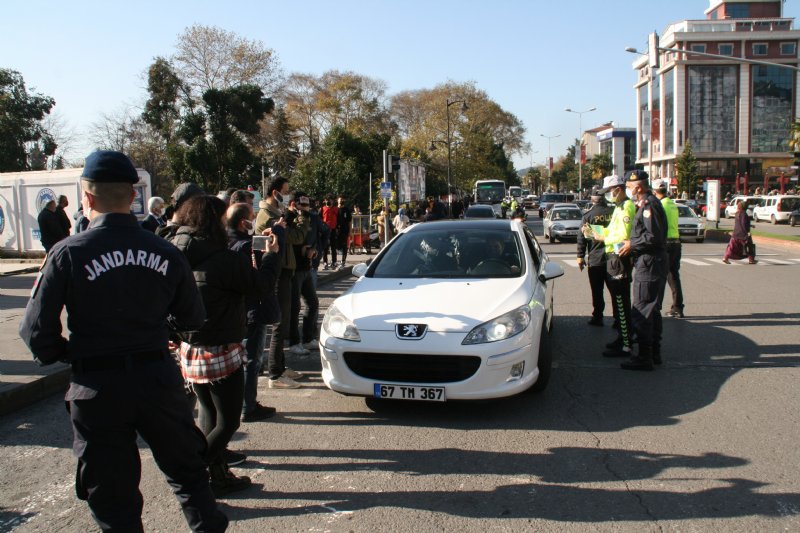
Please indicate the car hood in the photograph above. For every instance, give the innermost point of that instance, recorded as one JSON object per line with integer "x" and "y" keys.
{"x": 444, "y": 305}
{"x": 568, "y": 224}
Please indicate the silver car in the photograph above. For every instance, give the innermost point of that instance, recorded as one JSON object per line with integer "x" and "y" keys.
{"x": 562, "y": 222}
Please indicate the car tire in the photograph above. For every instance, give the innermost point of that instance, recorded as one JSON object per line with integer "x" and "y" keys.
{"x": 773, "y": 220}
{"x": 551, "y": 239}
{"x": 701, "y": 239}
{"x": 544, "y": 363}
{"x": 792, "y": 221}
{"x": 755, "y": 217}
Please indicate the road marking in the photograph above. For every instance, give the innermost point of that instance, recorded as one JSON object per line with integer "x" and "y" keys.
{"x": 693, "y": 262}
{"x": 570, "y": 263}
{"x": 775, "y": 261}
{"x": 719, "y": 261}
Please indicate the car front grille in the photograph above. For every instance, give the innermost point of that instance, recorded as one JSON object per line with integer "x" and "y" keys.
{"x": 412, "y": 368}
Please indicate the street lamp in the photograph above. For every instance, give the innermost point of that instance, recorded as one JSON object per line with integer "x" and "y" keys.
{"x": 549, "y": 158}
{"x": 580, "y": 145}
{"x": 464, "y": 108}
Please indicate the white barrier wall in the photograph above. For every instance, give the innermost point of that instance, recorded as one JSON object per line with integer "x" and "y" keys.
{"x": 24, "y": 194}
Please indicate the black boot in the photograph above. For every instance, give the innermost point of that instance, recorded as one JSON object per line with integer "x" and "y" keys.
{"x": 616, "y": 344}
{"x": 643, "y": 361}
{"x": 223, "y": 481}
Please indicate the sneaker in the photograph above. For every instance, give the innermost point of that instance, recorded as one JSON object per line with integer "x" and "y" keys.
{"x": 283, "y": 382}
{"x": 233, "y": 458}
{"x": 675, "y": 313}
{"x": 341, "y": 266}
{"x": 312, "y": 345}
{"x": 617, "y": 352}
{"x": 325, "y": 266}
{"x": 223, "y": 481}
{"x": 259, "y": 412}
{"x": 726, "y": 261}
{"x": 298, "y": 349}
{"x": 291, "y": 374}
{"x": 753, "y": 261}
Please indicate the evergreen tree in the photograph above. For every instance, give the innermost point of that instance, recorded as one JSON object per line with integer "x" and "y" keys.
{"x": 686, "y": 170}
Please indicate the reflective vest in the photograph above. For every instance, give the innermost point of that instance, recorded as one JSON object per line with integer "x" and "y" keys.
{"x": 671, "y": 209}
{"x": 619, "y": 229}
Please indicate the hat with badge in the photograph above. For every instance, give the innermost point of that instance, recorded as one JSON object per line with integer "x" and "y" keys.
{"x": 108, "y": 166}
{"x": 612, "y": 181}
{"x": 184, "y": 191}
{"x": 637, "y": 175}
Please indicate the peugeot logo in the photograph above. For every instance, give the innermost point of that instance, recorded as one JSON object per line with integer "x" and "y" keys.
{"x": 410, "y": 331}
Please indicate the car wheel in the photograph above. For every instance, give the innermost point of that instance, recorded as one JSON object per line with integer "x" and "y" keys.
{"x": 792, "y": 221}
{"x": 701, "y": 239}
{"x": 545, "y": 363}
{"x": 551, "y": 239}
{"x": 773, "y": 219}
{"x": 755, "y": 217}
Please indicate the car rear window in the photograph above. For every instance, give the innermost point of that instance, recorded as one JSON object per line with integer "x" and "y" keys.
{"x": 790, "y": 204}
{"x": 452, "y": 253}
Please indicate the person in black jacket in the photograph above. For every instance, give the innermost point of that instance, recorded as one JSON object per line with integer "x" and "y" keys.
{"x": 155, "y": 217}
{"x": 344, "y": 221}
{"x": 122, "y": 287}
{"x": 211, "y": 356}
{"x": 50, "y": 229}
{"x": 303, "y": 285}
{"x": 261, "y": 312}
{"x": 598, "y": 215}
{"x": 63, "y": 218}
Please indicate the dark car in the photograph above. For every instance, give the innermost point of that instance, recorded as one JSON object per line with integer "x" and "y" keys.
{"x": 794, "y": 218}
{"x": 548, "y": 199}
{"x": 479, "y": 211}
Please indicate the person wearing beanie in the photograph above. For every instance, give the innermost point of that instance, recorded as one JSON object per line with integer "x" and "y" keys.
{"x": 123, "y": 289}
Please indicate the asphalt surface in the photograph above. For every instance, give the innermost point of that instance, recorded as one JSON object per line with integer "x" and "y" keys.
{"x": 707, "y": 442}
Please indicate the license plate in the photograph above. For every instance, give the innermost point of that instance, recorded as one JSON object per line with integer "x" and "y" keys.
{"x": 688, "y": 231}
{"x": 409, "y": 392}
{"x": 571, "y": 233}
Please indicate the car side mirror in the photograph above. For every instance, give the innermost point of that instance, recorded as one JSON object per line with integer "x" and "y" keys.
{"x": 551, "y": 271}
{"x": 360, "y": 269}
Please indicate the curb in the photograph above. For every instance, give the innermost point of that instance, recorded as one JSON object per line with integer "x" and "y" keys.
{"x": 40, "y": 388}
{"x": 721, "y": 235}
{"x": 28, "y": 270}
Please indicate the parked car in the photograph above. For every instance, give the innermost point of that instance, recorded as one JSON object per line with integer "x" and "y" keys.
{"x": 690, "y": 203}
{"x": 548, "y": 199}
{"x": 562, "y": 222}
{"x": 531, "y": 201}
{"x": 690, "y": 225}
{"x": 733, "y": 205}
{"x": 479, "y": 211}
{"x": 448, "y": 310}
{"x": 703, "y": 208}
{"x": 776, "y": 208}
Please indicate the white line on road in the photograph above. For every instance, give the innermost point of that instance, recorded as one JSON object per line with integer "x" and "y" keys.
{"x": 775, "y": 261}
{"x": 570, "y": 263}
{"x": 694, "y": 262}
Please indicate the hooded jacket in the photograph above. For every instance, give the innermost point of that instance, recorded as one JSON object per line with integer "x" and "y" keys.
{"x": 224, "y": 278}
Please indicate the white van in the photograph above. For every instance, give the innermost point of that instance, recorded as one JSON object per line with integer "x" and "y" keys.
{"x": 733, "y": 205}
{"x": 776, "y": 208}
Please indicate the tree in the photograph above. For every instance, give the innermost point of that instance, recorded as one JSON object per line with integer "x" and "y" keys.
{"x": 600, "y": 166}
{"x": 23, "y": 138}
{"x": 209, "y": 57}
{"x": 686, "y": 170}
{"x": 533, "y": 178}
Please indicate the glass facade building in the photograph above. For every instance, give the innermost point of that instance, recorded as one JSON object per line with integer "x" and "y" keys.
{"x": 772, "y": 108}
{"x": 668, "y": 117}
{"x": 712, "y": 107}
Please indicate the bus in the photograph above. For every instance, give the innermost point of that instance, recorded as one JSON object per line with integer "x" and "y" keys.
{"x": 490, "y": 192}
{"x": 515, "y": 192}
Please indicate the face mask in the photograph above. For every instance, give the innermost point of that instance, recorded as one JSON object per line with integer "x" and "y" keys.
{"x": 630, "y": 195}
{"x": 610, "y": 198}
{"x": 286, "y": 200}
{"x": 248, "y": 228}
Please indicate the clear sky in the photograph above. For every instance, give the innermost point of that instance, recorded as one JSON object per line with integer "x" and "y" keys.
{"x": 534, "y": 58}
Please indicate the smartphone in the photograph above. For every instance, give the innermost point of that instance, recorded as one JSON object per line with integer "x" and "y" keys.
{"x": 261, "y": 242}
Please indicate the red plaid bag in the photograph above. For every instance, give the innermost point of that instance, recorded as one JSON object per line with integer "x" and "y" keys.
{"x": 203, "y": 364}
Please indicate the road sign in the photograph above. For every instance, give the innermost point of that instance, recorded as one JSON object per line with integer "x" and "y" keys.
{"x": 386, "y": 190}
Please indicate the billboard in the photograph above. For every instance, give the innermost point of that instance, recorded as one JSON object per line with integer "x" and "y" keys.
{"x": 410, "y": 182}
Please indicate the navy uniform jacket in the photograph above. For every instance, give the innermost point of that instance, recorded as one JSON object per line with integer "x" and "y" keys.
{"x": 119, "y": 284}
{"x": 649, "y": 238}
{"x": 598, "y": 215}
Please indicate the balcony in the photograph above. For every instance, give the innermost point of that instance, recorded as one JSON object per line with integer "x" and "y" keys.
{"x": 730, "y": 25}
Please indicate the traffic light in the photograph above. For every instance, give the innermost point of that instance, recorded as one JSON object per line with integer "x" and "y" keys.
{"x": 394, "y": 164}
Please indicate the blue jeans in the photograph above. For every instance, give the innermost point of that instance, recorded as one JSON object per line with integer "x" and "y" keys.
{"x": 254, "y": 345}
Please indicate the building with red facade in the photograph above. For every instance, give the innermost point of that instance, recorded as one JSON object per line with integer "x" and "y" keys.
{"x": 736, "y": 115}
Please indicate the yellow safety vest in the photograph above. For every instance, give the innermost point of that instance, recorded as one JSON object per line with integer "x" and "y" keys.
{"x": 671, "y": 209}
{"x": 619, "y": 229}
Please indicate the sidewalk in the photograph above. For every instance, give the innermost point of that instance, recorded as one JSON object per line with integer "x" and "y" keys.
{"x": 22, "y": 381}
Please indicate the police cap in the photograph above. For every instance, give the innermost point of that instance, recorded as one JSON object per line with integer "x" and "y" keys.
{"x": 637, "y": 175}
{"x": 108, "y": 166}
{"x": 184, "y": 191}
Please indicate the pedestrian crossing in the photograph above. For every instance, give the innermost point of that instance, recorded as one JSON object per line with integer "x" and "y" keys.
{"x": 763, "y": 261}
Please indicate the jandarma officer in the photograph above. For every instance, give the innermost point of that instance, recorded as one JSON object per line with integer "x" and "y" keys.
{"x": 121, "y": 286}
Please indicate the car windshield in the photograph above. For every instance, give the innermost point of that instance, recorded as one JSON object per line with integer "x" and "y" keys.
{"x": 566, "y": 214}
{"x": 479, "y": 212}
{"x": 555, "y": 198}
{"x": 685, "y": 212}
{"x": 452, "y": 253}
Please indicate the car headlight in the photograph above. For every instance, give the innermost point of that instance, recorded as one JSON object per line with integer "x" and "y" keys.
{"x": 558, "y": 227}
{"x": 336, "y": 324}
{"x": 501, "y": 328}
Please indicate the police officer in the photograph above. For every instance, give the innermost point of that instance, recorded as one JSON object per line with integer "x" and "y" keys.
{"x": 598, "y": 215}
{"x": 673, "y": 247}
{"x": 618, "y": 267}
{"x": 121, "y": 286}
{"x": 647, "y": 246}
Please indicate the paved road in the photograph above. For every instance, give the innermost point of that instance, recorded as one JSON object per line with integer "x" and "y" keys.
{"x": 708, "y": 442}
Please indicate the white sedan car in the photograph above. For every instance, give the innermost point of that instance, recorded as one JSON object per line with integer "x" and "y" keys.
{"x": 690, "y": 225}
{"x": 450, "y": 310}
{"x": 563, "y": 221}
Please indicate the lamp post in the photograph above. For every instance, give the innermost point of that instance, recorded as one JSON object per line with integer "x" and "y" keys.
{"x": 549, "y": 157}
{"x": 464, "y": 107}
{"x": 580, "y": 145}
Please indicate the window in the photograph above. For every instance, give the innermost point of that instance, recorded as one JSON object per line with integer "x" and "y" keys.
{"x": 788, "y": 49}
{"x": 725, "y": 49}
{"x": 712, "y": 107}
{"x": 760, "y": 49}
{"x": 771, "y": 117}
{"x": 698, "y": 48}
{"x": 737, "y": 11}
{"x": 669, "y": 111}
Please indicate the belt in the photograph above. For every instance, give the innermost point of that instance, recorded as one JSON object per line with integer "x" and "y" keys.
{"x": 118, "y": 362}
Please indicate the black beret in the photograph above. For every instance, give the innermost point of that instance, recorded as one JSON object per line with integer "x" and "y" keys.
{"x": 184, "y": 191}
{"x": 107, "y": 166}
{"x": 637, "y": 175}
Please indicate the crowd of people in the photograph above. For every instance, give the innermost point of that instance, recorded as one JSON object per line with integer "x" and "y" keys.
{"x": 176, "y": 310}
